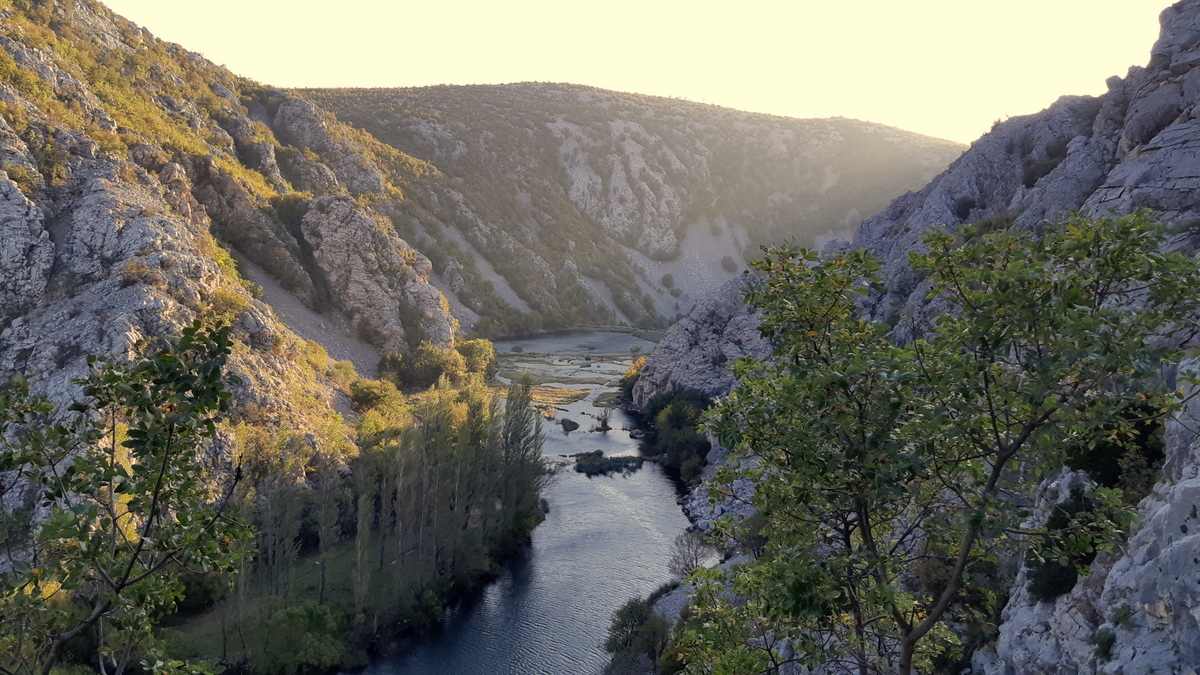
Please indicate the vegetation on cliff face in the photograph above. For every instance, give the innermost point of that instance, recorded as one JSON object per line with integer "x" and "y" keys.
{"x": 891, "y": 477}
{"x": 131, "y": 507}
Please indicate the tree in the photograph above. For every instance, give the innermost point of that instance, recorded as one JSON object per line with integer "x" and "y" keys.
{"x": 129, "y": 502}
{"x": 635, "y": 632}
{"x": 630, "y": 378}
{"x": 689, "y": 553}
{"x": 480, "y": 356}
{"x": 424, "y": 366}
{"x": 1045, "y": 342}
{"x": 886, "y": 471}
{"x": 522, "y": 468}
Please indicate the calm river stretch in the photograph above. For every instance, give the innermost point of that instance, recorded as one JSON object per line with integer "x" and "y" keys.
{"x": 605, "y": 540}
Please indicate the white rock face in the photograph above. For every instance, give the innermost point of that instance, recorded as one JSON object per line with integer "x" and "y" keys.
{"x": 697, "y": 352}
{"x": 374, "y": 276}
{"x": 26, "y": 252}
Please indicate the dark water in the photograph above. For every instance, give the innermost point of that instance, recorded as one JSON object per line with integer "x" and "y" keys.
{"x": 605, "y": 540}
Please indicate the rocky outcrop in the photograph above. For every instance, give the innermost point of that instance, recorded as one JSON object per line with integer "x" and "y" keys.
{"x": 375, "y": 277}
{"x": 698, "y": 352}
{"x": 1134, "y": 147}
{"x": 26, "y": 252}
{"x": 301, "y": 124}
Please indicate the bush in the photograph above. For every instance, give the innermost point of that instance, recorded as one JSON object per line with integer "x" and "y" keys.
{"x": 26, "y": 179}
{"x": 630, "y": 378}
{"x": 308, "y": 637}
{"x": 136, "y": 271}
{"x": 291, "y": 207}
{"x": 366, "y": 394}
{"x": 1104, "y": 639}
{"x": 635, "y": 631}
{"x": 343, "y": 374}
{"x": 595, "y": 463}
{"x": 1125, "y": 454}
{"x": 424, "y": 366}
{"x": 673, "y": 433}
{"x": 227, "y": 304}
{"x": 201, "y": 591}
{"x": 1051, "y": 577}
{"x": 480, "y": 356}
{"x": 668, "y": 281}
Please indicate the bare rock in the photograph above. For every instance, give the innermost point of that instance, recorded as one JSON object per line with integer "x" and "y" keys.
{"x": 374, "y": 276}
{"x": 26, "y": 251}
{"x": 698, "y": 351}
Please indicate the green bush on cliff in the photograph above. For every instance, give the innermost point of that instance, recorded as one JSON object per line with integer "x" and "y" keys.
{"x": 674, "y": 434}
{"x": 133, "y": 511}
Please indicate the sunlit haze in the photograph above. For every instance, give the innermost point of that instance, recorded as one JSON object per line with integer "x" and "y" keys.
{"x": 946, "y": 68}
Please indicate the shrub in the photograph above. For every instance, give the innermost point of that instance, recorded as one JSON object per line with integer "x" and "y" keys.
{"x": 1052, "y": 576}
{"x": 1126, "y": 453}
{"x": 343, "y": 374}
{"x": 291, "y": 207}
{"x": 424, "y": 366}
{"x": 1036, "y": 169}
{"x": 227, "y": 304}
{"x": 1104, "y": 639}
{"x": 693, "y": 466}
{"x": 315, "y": 355}
{"x": 630, "y": 378}
{"x": 480, "y": 356}
{"x": 26, "y": 179}
{"x": 311, "y": 638}
{"x": 366, "y": 394}
{"x": 635, "y": 631}
{"x": 136, "y": 271}
{"x": 668, "y": 281}
{"x": 201, "y": 591}
{"x": 674, "y": 434}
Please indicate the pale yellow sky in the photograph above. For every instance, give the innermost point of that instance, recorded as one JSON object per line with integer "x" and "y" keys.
{"x": 946, "y": 68}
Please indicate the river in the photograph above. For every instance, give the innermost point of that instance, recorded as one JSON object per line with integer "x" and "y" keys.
{"x": 605, "y": 540}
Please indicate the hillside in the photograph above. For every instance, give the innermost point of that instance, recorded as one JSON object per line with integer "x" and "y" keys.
{"x": 626, "y": 189}
{"x": 1133, "y": 148}
{"x": 135, "y": 174}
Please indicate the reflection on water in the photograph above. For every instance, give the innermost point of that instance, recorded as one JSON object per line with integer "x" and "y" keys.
{"x": 605, "y": 540}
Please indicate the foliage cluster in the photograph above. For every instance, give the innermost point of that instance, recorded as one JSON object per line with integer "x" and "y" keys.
{"x": 674, "y": 435}
{"x": 131, "y": 505}
{"x": 889, "y": 475}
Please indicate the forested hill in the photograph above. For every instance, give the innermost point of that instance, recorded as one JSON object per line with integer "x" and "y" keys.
{"x": 639, "y": 202}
